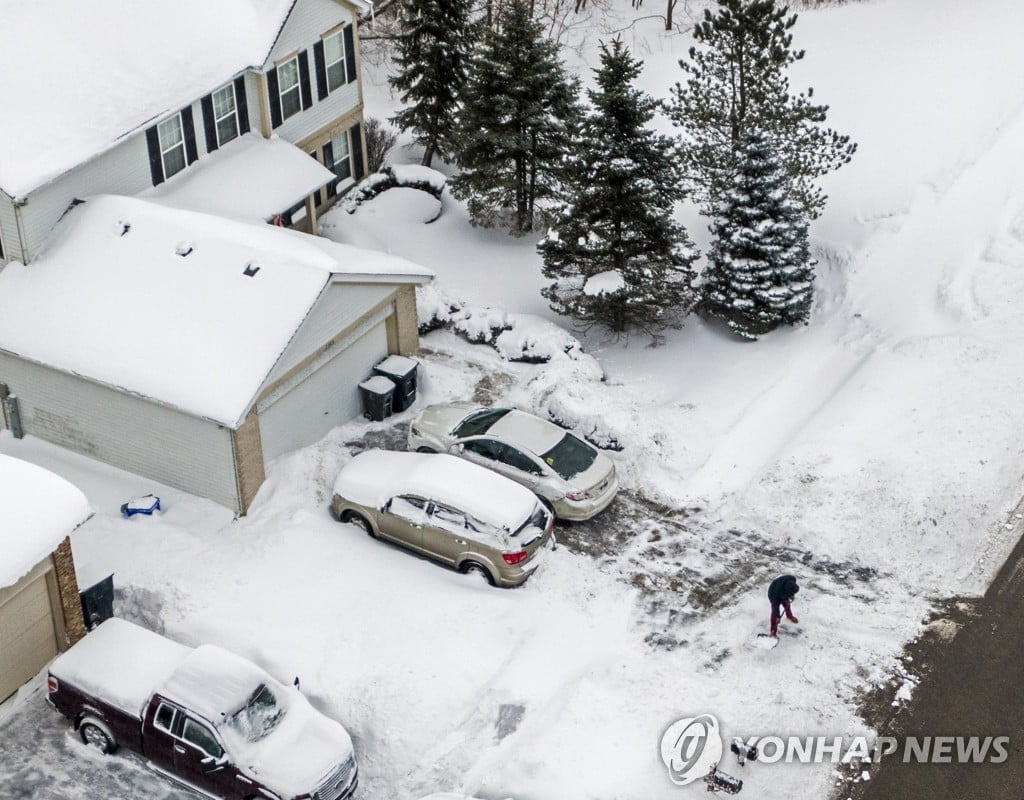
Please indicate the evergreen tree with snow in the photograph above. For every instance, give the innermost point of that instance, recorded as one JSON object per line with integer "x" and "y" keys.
{"x": 760, "y": 274}
{"x": 737, "y": 83}
{"x": 432, "y": 62}
{"x": 516, "y": 124}
{"x": 614, "y": 253}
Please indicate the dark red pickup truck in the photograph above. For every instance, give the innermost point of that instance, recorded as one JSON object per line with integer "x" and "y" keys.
{"x": 204, "y": 717}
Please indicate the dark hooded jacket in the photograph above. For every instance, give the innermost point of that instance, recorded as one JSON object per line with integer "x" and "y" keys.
{"x": 782, "y": 590}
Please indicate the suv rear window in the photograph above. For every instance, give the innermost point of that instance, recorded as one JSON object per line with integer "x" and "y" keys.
{"x": 570, "y": 456}
{"x": 479, "y": 422}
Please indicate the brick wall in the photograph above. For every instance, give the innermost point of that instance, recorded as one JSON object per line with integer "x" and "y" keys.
{"x": 67, "y": 588}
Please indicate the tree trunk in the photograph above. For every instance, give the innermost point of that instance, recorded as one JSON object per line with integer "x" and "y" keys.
{"x": 668, "y": 13}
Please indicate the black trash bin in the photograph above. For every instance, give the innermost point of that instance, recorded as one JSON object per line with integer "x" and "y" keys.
{"x": 378, "y": 397}
{"x": 402, "y": 371}
{"x": 98, "y": 602}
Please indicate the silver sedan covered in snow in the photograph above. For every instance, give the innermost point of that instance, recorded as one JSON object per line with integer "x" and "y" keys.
{"x": 572, "y": 476}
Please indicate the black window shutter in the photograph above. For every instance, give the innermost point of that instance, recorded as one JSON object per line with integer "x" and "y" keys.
{"x": 358, "y": 168}
{"x": 316, "y": 195}
{"x": 307, "y": 89}
{"x": 350, "y": 54}
{"x": 189, "y": 130}
{"x": 242, "y": 105}
{"x": 275, "y": 98}
{"x": 209, "y": 123}
{"x": 329, "y": 163}
{"x": 156, "y": 166}
{"x": 320, "y": 63}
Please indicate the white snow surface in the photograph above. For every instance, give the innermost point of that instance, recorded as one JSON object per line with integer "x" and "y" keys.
{"x": 122, "y": 307}
{"x": 120, "y": 663}
{"x": 248, "y": 178}
{"x": 607, "y": 282}
{"x": 109, "y": 68}
{"x": 37, "y": 510}
{"x": 883, "y": 439}
{"x": 371, "y": 478}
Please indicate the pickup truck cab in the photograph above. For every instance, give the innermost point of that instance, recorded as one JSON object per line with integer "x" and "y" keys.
{"x": 204, "y": 717}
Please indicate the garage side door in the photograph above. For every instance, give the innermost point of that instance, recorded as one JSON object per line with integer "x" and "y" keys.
{"x": 323, "y": 399}
{"x": 28, "y": 639}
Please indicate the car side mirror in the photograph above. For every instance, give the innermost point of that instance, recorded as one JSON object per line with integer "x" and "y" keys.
{"x": 386, "y": 506}
{"x": 212, "y": 764}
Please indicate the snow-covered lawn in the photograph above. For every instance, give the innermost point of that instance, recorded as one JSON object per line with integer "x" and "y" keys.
{"x": 874, "y": 454}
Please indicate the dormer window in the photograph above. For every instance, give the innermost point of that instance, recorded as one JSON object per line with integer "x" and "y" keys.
{"x": 288, "y": 88}
{"x": 172, "y": 145}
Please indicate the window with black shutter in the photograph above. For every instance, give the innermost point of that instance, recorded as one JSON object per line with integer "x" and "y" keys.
{"x": 243, "y": 105}
{"x": 307, "y": 89}
{"x": 356, "y": 134}
{"x": 171, "y": 137}
{"x": 289, "y": 93}
{"x": 350, "y": 54}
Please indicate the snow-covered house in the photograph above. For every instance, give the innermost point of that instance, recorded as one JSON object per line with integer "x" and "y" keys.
{"x": 108, "y": 97}
{"x": 40, "y": 610}
{"x": 191, "y": 348}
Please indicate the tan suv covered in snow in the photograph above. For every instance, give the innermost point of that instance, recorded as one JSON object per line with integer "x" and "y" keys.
{"x": 447, "y": 509}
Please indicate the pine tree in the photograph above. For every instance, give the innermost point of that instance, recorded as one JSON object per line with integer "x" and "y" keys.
{"x": 614, "y": 253}
{"x": 760, "y": 273}
{"x": 737, "y": 83}
{"x": 432, "y": 61}
{"x": 516, "y": 122}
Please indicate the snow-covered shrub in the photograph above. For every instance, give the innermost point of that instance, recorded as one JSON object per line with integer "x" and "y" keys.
{"x": 409, "y": 176}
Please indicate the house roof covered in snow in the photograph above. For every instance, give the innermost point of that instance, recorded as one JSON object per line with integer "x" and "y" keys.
{"x": 184, "y": 308}
{"x": 83, "y": 75}
{"x": 37, "y": 510}
{"x": 248, "y": 178}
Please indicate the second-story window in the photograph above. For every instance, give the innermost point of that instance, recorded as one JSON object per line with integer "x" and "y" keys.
{"x": 172, "y": 145}
{"x": 225, "y": 114}
{"x": 334, "y": 61}
{"x": 288, "y": 88}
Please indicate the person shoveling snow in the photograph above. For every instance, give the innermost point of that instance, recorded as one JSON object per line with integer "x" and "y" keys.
{"x": 781, "y": 592}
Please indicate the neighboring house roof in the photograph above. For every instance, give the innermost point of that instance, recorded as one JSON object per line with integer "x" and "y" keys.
{"x": 249, "y": 178}
{"x": 81, "y": 76}
{"x": 37, "y": 510}
{"x": 110, "y": 299}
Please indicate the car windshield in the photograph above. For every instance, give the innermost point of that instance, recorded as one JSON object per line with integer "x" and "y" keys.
{"x": 479, "y": 422}
{"x": 255, "y": 720}
{"x": 570, "y": 456}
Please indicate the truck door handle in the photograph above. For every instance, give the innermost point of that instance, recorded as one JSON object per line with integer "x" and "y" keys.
{"x": 179, "y": 749}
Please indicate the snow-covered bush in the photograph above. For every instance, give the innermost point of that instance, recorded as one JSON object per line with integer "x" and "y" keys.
{"x": 409, "y": 176}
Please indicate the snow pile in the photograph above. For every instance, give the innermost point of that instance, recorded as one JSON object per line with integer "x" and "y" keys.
{"x": 37, "y": 510}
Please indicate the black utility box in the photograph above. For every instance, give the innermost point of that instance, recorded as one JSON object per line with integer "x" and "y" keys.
{"x": 402, "y": 371}
{"x": 378, "y": 395}
{"x": 98, "y": 602}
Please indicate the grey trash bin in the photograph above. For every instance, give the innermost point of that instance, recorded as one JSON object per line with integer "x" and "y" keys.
{"x": 378, "y": 395}
{"x": 402, "y": 371}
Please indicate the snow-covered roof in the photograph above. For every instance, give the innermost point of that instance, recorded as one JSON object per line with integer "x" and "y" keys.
{"x": 37, "y": 510}
{"x": 142, "y": 61}
{"x": 184, "y": 308}
{"x": 249, "y": 178}
{"x": 213, "y": 682}
{"x": 120, "y": 663}
{"x": 372, "y": 477}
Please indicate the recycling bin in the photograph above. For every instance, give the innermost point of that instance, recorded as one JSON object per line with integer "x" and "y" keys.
{"x": 378, "y": 395}
{"x": 402, "y": 371}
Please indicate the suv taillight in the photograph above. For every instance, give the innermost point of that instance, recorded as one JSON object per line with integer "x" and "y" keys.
{"x": 515, "y": 558}
{"x": 51, "y": 684}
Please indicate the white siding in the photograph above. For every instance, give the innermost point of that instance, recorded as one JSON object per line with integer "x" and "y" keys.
{"x": 309, "y": 19}
{"x": 338, "y": 307}
{"x": 121, "y": 170}
{"x": 124, "y": 430}
{"x": 326, "y": 398}
{"x": 8, "y": 231}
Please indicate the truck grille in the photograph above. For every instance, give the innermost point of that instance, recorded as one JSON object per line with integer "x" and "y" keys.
{"x": 335, "y": 784}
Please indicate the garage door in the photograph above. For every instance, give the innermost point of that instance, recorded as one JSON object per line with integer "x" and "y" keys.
{"x": 28, "y": 639}
{"x": 324, "y": 398}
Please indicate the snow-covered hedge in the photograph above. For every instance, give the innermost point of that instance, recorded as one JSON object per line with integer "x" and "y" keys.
{"x": 409, "y": 176}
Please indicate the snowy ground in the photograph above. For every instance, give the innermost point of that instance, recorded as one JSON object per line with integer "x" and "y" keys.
{"x": 873, "y": 453}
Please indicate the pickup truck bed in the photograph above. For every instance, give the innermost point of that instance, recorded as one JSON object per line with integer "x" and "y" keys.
{"x": 121, "y": 663}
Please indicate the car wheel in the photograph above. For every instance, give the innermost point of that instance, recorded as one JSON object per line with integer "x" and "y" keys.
{"x": 359, "y": 521}
{"x": 476, "y": 570}
{"x": 94, "y": 735}
{"x": 425, "y": 449}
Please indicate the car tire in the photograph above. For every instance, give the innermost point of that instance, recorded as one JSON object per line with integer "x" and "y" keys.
{"x": 359, "y": 521}
{"x": 425, "y": 449}
{"x": 477, "y": 570}
{"x": 94, "y": 735}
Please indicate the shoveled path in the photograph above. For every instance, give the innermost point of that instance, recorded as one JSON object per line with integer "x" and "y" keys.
{"x": 975, "y": 687}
